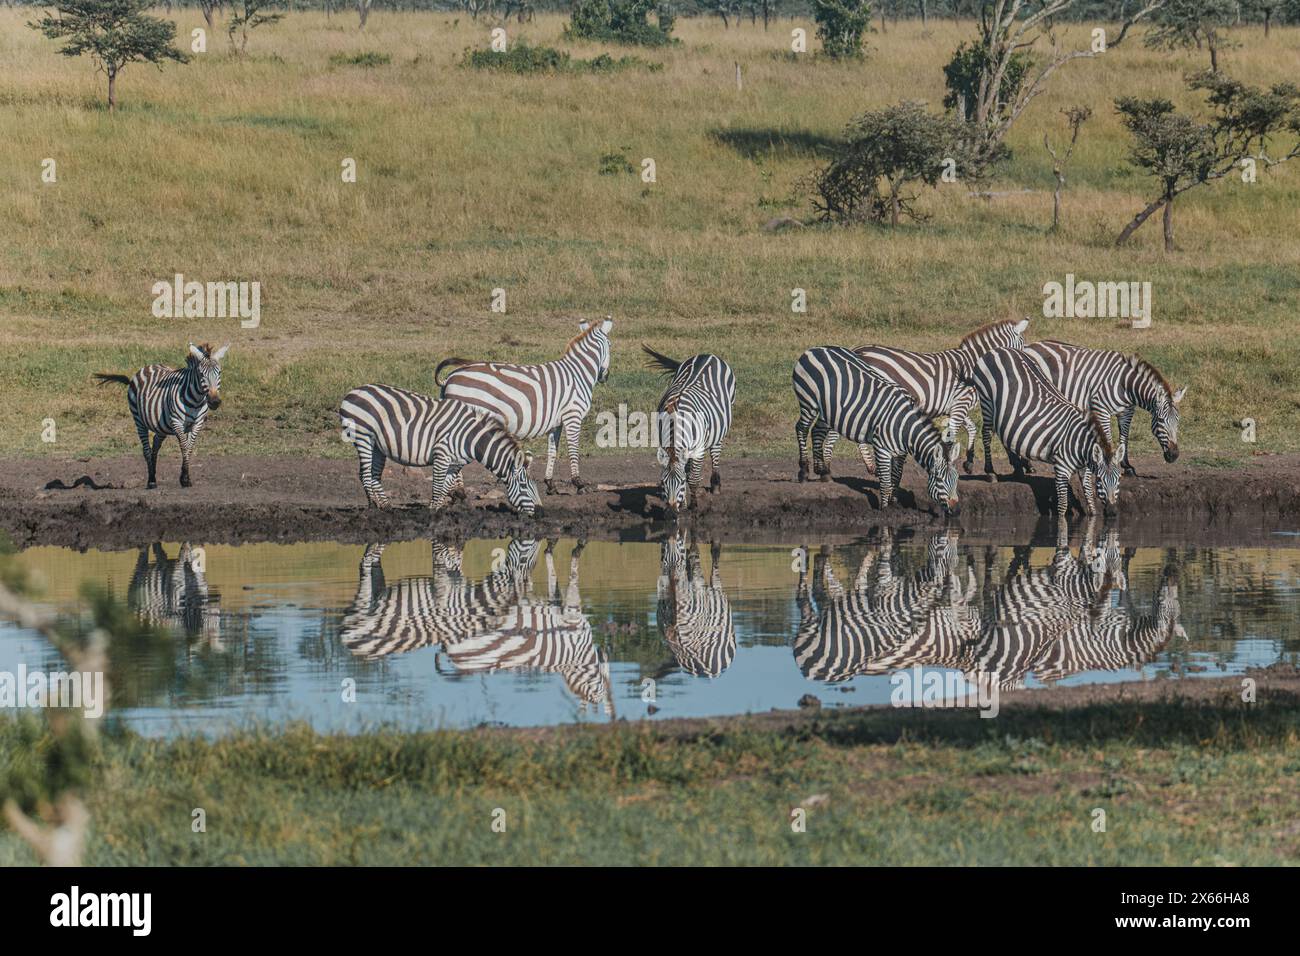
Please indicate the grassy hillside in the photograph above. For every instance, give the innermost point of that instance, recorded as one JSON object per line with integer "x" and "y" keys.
{"x": 229, "y": 169}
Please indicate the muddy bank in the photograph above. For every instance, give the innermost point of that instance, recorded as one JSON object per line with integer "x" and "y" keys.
{"x": 103, "y": 503}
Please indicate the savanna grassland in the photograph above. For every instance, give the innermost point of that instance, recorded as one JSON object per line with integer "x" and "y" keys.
{"x": 229, "y": 169}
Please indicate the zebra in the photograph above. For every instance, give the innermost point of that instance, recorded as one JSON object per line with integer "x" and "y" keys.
{"x": 1111, "y": 383}
{"x": 173, "y": 592}
{"x": 1037, "y": 422}
{"x": 835, "y": 386}
{"x": 695, "y": 617}
{"x": 384, "y": 421}
{"x": 167, "y": 401}
{"x": 885, "y": 622}
{"x": 934, "y": 382}
{"x": 553, "y": 635}
{"x": 427, "y": 611}
{"x": 693, "y": 418}
{"x": 532, "y": 400}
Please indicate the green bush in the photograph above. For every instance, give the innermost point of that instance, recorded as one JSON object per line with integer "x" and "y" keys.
{"x": 622, "y": 21}
{"x": 522, "y": 58}
{"x": 361, "y": 59}
{"x": 840, "y": 26}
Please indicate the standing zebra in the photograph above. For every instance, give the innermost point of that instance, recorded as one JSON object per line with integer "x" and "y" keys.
{"x": 934, "y": 382}
{"x": 168, "y": 401}
{"x": 1111, "y": 383}
{"x": 535, "y": 400}
{"x": 833, "y": 385}
{"x": 1036, "y": 422}
{"x": 694, "y": 416}
{"x": 383, "y": 421}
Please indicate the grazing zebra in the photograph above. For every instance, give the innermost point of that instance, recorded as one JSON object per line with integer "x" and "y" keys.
{"x": 383, "y": 421}
{"x": 167, "y": 401}
{"x": 694, "y": 416}
{"x": 934, "y": 382}
{"x": 417, "y": 612}
{"x": 1111, "y": 383}
{"x": 534, "y": 400}
{"x": 885, "y": 622}
{"x": 173, "y": 592}
{"x": 835, "y": 386}
{"x": 695, "y": 617}
{"x": 1037, "y": 422}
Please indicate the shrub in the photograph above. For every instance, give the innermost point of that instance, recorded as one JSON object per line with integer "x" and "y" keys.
{"x": 840, "y": 26}
{"x": 361, "y": 59}
{"x": 522, "y": 58}
{"x": 622, "y": 21}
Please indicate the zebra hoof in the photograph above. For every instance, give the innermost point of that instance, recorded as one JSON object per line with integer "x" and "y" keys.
{"x": 803, "y": 475}
{"x": 550, "y": 487}
{"x": 1130, "y": 471}
{"x": 580, "y": 486}
{"x": 185, "y": 481}
{"x": 715, "y": 485}
{"x": 966, "y": 467}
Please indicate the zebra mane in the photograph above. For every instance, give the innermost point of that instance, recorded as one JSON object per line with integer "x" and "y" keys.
{"x": 972, "y": 338}
{"x": 581, "y": 336}
{"x": 204, "y": 347}
{"x": 1099, "y": 433}
{"x": 1142, "y": 366}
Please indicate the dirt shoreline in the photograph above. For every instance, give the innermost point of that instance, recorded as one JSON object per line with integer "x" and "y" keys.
{"x": 103, "y": 503}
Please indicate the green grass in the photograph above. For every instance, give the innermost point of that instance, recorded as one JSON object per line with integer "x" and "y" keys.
{"x": 1180, "y": 783}
{"x": 229, "y": 169}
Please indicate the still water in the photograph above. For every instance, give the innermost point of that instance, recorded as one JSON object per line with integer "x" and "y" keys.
{"x": 423, "y": 635}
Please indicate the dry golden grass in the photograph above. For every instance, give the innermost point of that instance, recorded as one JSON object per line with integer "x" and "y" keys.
{"x": 230, "y": 169}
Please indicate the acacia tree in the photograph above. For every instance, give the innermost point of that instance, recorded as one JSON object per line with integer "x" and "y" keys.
{"x": 114, "y": 33}
{"x": 249, "y": 14}
{"x": 1181, "y": 24}
{"x": 1183, "y": 154}
{"x": 1075, "y": 117}
{"x": 1009, "y": 30}
{"x": 363, "y": 11}
{"x": 888, "y": 152}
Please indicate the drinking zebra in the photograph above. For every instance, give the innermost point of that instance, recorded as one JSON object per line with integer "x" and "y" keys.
{"x": 694, "y": 617}
{"x": 837, "y": 387}
{"x": 168, "y": 401}
{"x": 384, "y": 421}
{"x": 1111, "y": 383}
{"x": 534, "y": 400}
{"x": 933, "y": 380}
{"x": 1036, "y": 422}
{"x": 694, "y": 416}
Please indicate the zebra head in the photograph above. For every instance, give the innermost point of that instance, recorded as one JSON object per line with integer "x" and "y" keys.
{"x": 596, "y": 340}
{"x": 206, "y": 364}
{"x": 672, "y": 478}
{"x": 1105, "y": 466}
{"x": 941, "y": 477}
{"x": 520, "y": 490}
{"x": 996, "y": 335}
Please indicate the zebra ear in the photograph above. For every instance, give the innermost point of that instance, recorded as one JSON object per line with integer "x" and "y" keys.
{"x": 607, "y": 324}
{"x": 1121, "y": 452}
{"x": 662, "y": 456}
{"x": 1022, "y": 324}
{"x": 1178, "y": 395}
{"x": 196, "y": 352}
{"x": 528, "y": 460}
{"x": 954, "y": 452}
{"x": 1098, "y": 456}
{"x": 220, "y": 353}
{"x": 583, "y": 325}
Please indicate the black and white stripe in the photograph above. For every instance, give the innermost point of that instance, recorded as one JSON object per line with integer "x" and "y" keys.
{"x": 934, "y": 380}
{"x": 694, "y": 416}
{"x": 839, "y": 392}
{"x": 1110, "y": 383}
{"x": 1036, "y": 422}
{"x": 384, "y": 421}
{"x": 168, "y": 401}
{"x": 173, "y": 593}
{"x": 694, "y": 616}
{"x": 550, "y": 399}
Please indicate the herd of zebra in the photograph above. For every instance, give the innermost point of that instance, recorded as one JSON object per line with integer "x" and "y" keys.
{"x": 1072, "y": 615}
{"x": 1048, "y": 401}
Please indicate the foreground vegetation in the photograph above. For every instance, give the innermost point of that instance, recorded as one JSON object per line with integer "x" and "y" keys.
{"x": 228, "y": 168}
{"x": 1180, "y": 783}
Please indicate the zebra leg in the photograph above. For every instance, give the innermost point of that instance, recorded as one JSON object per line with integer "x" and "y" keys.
{"x": 715, "y": 482}
{"x": 969, "y": 463}
{"x": 1089, "y": 492}
{"x": 884, "y": 476}
{"x": 187, "y": 449}
{"x": 370, "y": 466}
{"x": 572, "y": 433}
{"x": 987, "y": 435}
{"x": 868, "y": 458}
{"x": 823, "y": 446}
{"x": 896, "y": 472}
{"x": 441, "y": 468}
{"x": 801, "y": 427}
{"x": 552, "y": 448}
{"x": 1125, "y": 422}
{"x": 1062, "y": 491}
{"x": 694, "y": 474}
{"x": 151, "y": 456}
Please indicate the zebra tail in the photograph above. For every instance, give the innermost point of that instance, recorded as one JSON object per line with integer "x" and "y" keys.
{"x": 105, "y": 378}
{"x": 660, "y": 361}
{"x": 443, "y": 364}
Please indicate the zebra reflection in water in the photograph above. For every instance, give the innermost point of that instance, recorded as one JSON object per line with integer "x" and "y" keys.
{"x": 492, "y": 624}
{"x": 1073, "y": 615}
{"x": 173, "y": 593}
{"x": 694, "y": 615}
